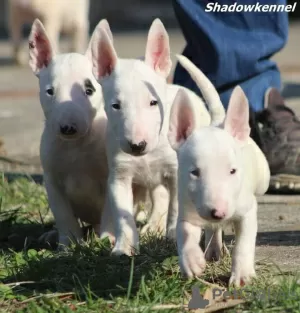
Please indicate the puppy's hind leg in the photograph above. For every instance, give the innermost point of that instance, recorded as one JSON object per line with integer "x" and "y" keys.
{"x": 158, "y": 219}
{"x": 213, "y": 244}
{"x": 173, "y": 209}
{"x": 140, "y": 197}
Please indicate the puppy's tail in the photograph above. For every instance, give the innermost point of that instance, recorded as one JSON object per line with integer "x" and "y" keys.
{"x": 208, "y": 90}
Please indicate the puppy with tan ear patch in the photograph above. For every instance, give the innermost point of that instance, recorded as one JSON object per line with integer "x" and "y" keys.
{"x": 72, "y": 146}
{"x": 220, "y": 172}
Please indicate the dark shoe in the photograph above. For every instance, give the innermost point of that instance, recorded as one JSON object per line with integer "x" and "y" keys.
{"x": 276, "y": 130}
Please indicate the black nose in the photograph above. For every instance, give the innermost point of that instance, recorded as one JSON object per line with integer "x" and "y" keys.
{"x": 68, "y": 130}
{"x": 138, "y": 148}
{"x": 215, "y": 215}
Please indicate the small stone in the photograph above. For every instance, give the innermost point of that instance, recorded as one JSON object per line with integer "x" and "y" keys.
{"x": 277, "y": 185}
{"x": 291, "y": 185}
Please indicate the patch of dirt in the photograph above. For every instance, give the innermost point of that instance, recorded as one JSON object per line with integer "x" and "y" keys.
{"x": 285, "y": 257}
{"x": 20, "y": 165}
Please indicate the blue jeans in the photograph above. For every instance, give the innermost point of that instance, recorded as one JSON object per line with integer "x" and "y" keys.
{"x": 232, "y": 48}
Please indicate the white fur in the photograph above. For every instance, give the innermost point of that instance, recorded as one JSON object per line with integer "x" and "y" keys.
{"x": 129, "y": 86}
{"x": 75, "y": 167}
{"x": 221, "y": 169}
{"x": 70, "y": 16}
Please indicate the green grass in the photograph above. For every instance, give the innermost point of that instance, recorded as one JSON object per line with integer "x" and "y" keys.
{"x": 35, "y": 278}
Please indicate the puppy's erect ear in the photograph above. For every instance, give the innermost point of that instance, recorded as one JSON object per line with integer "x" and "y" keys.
{"x": 157, "y": 54}
{"x": 182, "y": 120}
{"x": 40, "y": 48}
{"x": 237, "y": 116}
{"x": 103, "y": 54}
{"x": 103, "y": 24}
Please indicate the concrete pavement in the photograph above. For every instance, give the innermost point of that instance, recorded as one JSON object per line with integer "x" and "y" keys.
{"x": 21, "y": 124}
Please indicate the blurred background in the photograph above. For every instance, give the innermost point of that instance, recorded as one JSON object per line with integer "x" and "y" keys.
{"x": 125, "y": 15}
{"x": 21, "y": 118}
{"x": 122, "y": 14}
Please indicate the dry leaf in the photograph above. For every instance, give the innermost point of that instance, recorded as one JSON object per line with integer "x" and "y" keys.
{"x": 218, "y": 306}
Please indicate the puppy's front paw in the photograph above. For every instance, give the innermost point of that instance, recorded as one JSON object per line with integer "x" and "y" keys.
{"x": 141, "y": 217}
{"x": 213, "y": 253}
{"x": 171, "y": 234}
{"x": 124, "y": 249}
{"x": 154, "y": 228}
{"x": 111, "y": 237}
{"x": 242, "y": 274}
{"x": 171, "y": 231}
{"x": 66, "y": 241}
{"x": 192, "y": 261}
{"x": 172, "y": 228}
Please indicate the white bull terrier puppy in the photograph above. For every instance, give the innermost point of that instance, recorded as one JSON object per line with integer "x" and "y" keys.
{"x": 220, "y": 172}
{"x": 73, "y": 142}
{"x": 72, "y": 147}
{"x": 70, "y": 16}
{"x": 137, "y": 103}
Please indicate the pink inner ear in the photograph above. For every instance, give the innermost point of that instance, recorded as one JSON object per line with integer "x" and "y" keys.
{"x": 44, "y": 53}
{"x": 107, "y": 65}
{"x": 182, "y": 133}
{"x": 237, "y": 117}
{"x": 158, "y": 52}
{"x": 235, "y": 127}
{"x": 185, "y": 124}
{"x": 105, "y": 58}
{"x": 238, "y": 130}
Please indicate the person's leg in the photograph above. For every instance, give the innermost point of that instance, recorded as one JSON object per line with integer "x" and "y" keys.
{"x": 232, "y": 48}
{"x": 235, "y": 48}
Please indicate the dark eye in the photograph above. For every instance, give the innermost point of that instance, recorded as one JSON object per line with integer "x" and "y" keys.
{"x": 153, "y": 102}
{"x": 233, "y": 171}
{"x": 89, "y": 91}
{"x": 116, "y": 106}
{"x": 196, "y": 172}
{"x": 50, "y": 91}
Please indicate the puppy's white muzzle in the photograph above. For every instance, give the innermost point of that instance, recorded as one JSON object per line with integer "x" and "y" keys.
{"x": 70, "y": 121}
